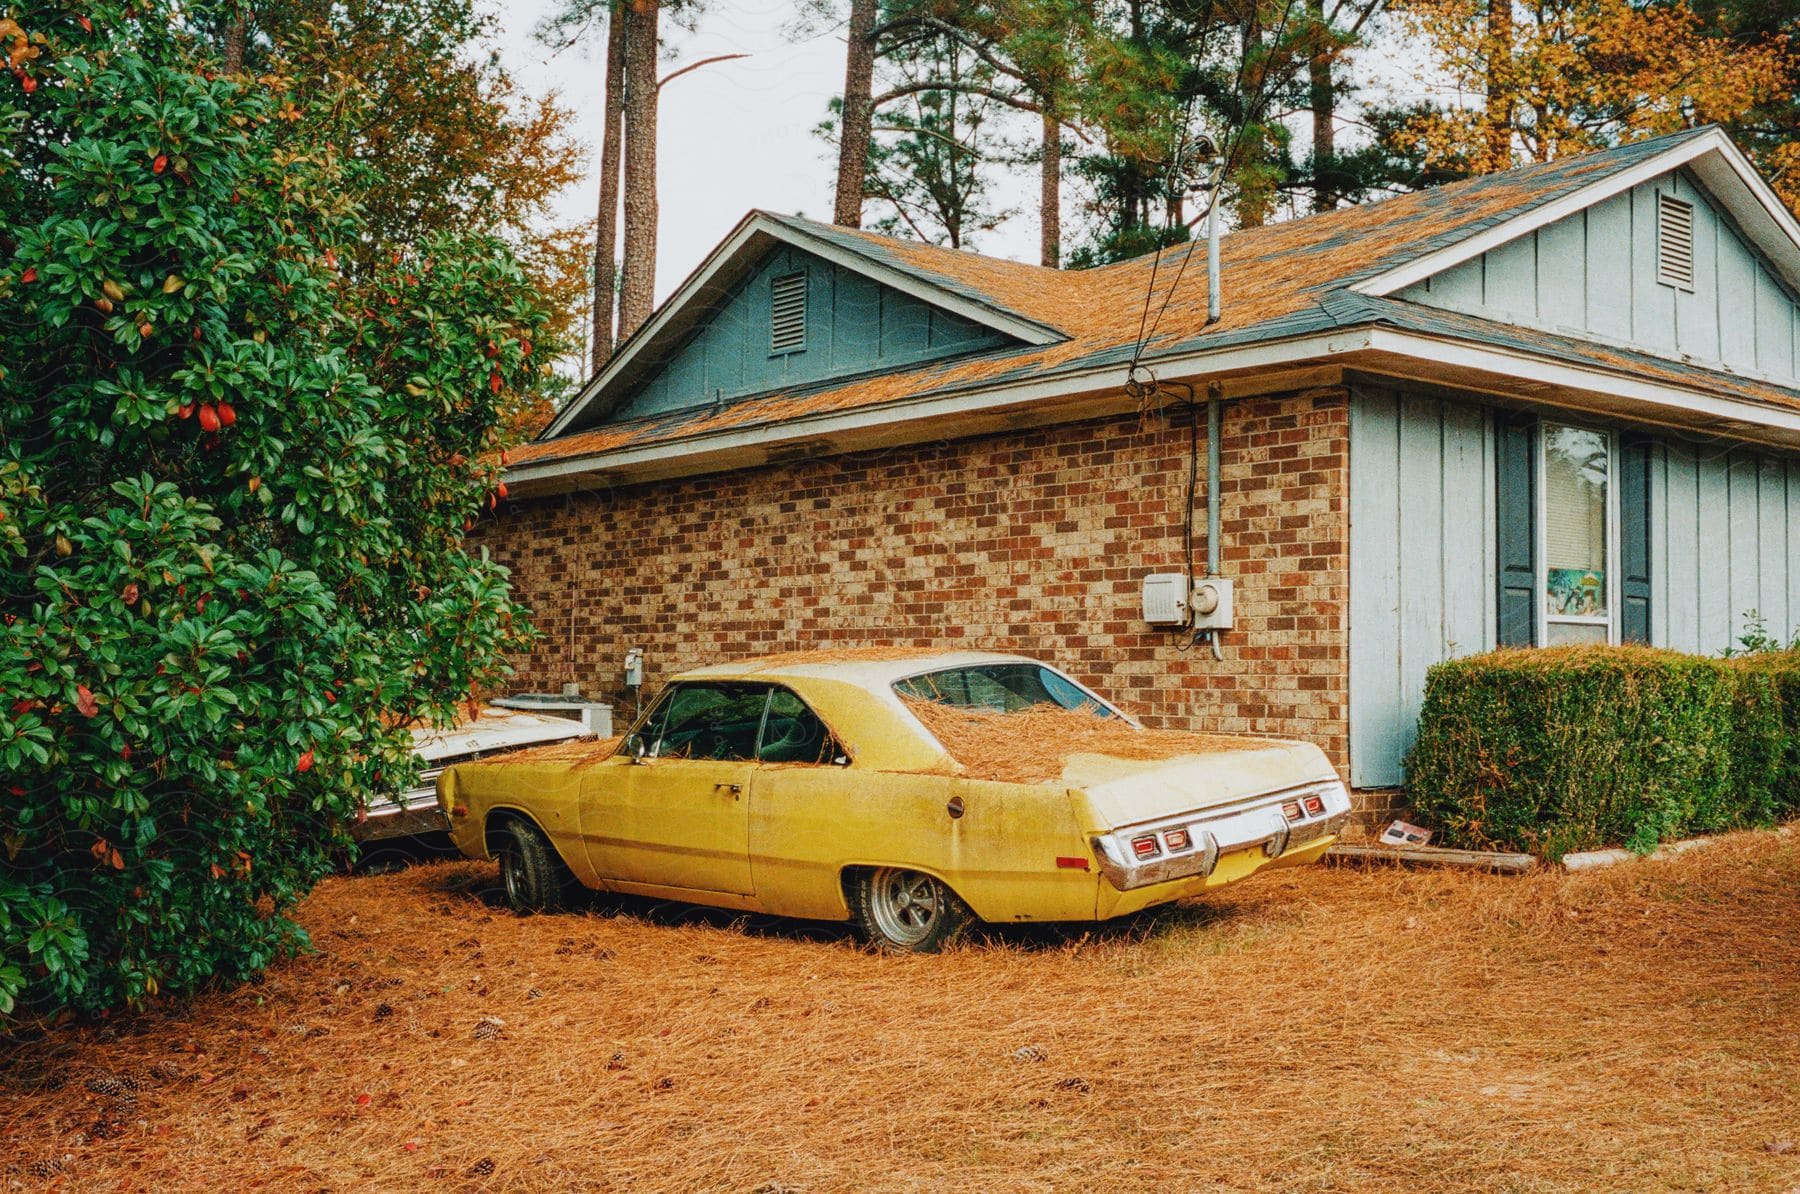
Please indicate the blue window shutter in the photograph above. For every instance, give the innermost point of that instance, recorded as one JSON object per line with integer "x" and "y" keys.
{"x": 1634, "y": 539}
{"x": 1516, "y": 523}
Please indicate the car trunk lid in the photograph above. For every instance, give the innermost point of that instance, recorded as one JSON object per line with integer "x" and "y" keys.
{"x": 1125, "y": 792}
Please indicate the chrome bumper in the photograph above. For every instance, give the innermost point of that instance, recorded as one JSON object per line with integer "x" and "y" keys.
{"x": 1257, "y": 822}
{"x": 409, "y": 814}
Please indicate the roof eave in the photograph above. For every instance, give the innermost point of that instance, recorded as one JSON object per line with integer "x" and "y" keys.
{"x": 1500, "y": 373}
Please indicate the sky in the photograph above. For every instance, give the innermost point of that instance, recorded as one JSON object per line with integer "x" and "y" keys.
{"x": 731, "y": 136}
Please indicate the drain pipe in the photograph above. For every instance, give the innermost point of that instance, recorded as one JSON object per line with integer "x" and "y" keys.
{"x": 1213, "y": 303}
{"x": 1214, "y": 400}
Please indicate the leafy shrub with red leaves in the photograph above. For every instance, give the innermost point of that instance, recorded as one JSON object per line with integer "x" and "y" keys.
{"x": 235, "y": 476}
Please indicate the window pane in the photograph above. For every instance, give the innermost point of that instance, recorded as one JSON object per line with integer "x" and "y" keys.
{"x": 1557, "y": 633}
{"x": 793, "y": 733}
{"x": 1576, "y": 474}
{"x": 712, "y": 721}
{"x": 1002, "y": 687}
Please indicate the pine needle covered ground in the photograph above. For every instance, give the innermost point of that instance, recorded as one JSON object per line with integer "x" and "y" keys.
{"x": 1331, "y": 1028}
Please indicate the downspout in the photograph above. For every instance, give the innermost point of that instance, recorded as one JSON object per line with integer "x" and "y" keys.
{"x": 1215, "y": 397}
{"x": 1213, "y": 303}
{"x": 1214, "y": 417}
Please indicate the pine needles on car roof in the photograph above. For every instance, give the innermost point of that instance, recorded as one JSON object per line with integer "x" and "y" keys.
{"x": 1035, "y": 743}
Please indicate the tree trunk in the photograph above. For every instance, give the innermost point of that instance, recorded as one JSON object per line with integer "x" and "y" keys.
{"x": 638, "y": 293}
{"x": 606, "y": 232}
{"x": 857, "y": 115}
{"x": 1050, "y": 194}
{"x": 1499, "y": 115}
{"x": 237, "y": 34}
{"x": 1324, "y": 109}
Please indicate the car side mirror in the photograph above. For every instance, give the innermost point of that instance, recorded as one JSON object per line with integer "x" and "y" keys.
{"x": 638, "y": 749}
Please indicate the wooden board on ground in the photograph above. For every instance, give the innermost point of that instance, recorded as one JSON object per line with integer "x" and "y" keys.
{"x": 1507, "y": 864}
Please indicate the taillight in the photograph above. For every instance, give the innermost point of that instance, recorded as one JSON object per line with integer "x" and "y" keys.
{"x": 1315, "y": 805}
{"x": 1291, "y": 810}
{"x": 1145, "y": 847}
{"x": 1177, "y": 839}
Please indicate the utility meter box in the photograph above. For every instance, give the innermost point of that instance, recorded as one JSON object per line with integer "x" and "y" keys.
{"x": 1166, "y": 599}
{"x": 1211, "y": 604}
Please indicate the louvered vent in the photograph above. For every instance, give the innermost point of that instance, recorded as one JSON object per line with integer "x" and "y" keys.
{"x": 787, "y": 312}
{"x": 1674, "y": 242}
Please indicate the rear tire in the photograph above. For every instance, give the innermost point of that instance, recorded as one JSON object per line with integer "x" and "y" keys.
{"x": 532, "y": 874}
{"x": 905, "y": 911}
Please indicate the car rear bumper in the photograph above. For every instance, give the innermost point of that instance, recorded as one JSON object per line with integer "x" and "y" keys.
{"x": 1258, "y": 823}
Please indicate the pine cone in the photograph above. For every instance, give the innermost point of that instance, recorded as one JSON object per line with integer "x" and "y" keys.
{"x": 482, "y": 1168}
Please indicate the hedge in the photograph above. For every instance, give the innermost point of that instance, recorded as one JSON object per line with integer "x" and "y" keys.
{"x": 1561, "y": 749}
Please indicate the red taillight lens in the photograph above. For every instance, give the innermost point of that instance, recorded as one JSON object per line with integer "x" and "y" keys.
{"x": 1144, "y": 847}
{"x": 1291, "y": 810}
{"x": 1314, "y": 805}
{"x": 1177, "y": 839}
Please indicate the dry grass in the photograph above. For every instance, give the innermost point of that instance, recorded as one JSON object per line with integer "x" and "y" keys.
{"x": 1033, "y": 745}
{"x": 1332, "y": 1028}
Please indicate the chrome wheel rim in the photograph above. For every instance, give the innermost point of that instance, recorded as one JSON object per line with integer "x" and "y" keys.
{"x": 509, "y": 874}
{"x": 905, "y": 905}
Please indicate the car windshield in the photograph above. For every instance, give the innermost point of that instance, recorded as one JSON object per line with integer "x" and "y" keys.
{"x": 1002, "y": 687}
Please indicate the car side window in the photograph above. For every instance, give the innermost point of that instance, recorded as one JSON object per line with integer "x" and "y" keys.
{"x": 793, "y": 733}
{"x": 708, "y": 721}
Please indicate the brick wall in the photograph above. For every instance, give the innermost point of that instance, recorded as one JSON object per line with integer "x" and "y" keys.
{"x": 1033, "y": 541}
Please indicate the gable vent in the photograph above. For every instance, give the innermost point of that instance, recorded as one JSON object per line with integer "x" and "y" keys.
{"x": 1674, "y": 242}
{"x": 787, "y": 313}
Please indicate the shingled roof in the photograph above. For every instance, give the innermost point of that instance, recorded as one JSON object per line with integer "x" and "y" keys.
{"x": 1280, "y": 281}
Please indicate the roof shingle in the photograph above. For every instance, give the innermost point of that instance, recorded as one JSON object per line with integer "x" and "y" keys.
{"x": 1278, "y": 280}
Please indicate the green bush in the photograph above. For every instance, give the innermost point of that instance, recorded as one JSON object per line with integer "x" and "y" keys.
{"x": 235, "y": 477}
{"x": 1576, "y": 748}
{"x": 1781, "y": 668}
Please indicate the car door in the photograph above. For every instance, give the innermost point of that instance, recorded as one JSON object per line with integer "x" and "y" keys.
{"x": 680, "y": 815}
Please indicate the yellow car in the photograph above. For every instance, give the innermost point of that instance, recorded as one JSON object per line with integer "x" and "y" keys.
{"x": 907, "y": 792}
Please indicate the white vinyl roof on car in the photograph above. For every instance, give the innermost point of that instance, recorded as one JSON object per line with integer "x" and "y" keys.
{"x": 873, "y": 668}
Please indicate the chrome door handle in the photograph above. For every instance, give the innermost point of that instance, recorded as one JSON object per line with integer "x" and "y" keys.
{"x": 736, "y": 790}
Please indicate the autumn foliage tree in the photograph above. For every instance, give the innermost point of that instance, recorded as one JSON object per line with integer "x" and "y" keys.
{"x": 411, "y": 92}
{"x": 1564, "y": 76}
{"x": 237, "y": 462}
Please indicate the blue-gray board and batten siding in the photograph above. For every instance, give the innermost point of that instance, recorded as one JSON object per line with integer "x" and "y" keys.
{"x": 1594, "y": 274}
{"x": 854, "y": 326}
{"x": 1723, "y": 529}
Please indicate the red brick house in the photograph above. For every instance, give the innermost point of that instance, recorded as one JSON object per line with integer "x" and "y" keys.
{"x": 1556, "y": 404}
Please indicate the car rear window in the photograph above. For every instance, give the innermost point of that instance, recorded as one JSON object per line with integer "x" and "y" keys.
{"x": 1002, "y": 687}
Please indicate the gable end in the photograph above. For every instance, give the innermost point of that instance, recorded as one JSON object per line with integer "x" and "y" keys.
{"x": 798, "y": 320}
{"x": 1661, "y": 267}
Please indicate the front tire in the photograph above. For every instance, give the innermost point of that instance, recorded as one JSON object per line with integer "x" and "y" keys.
{"x": 905, "y": 911}
{"x": 531, "y": 873}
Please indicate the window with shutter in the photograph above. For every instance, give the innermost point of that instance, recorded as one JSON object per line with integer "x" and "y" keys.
{"x": 1674, "y": 242}
{"x": 787, "y": 314}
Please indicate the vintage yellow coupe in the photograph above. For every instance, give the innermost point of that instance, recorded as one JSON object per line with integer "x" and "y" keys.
{"x": 814, "y": 786}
